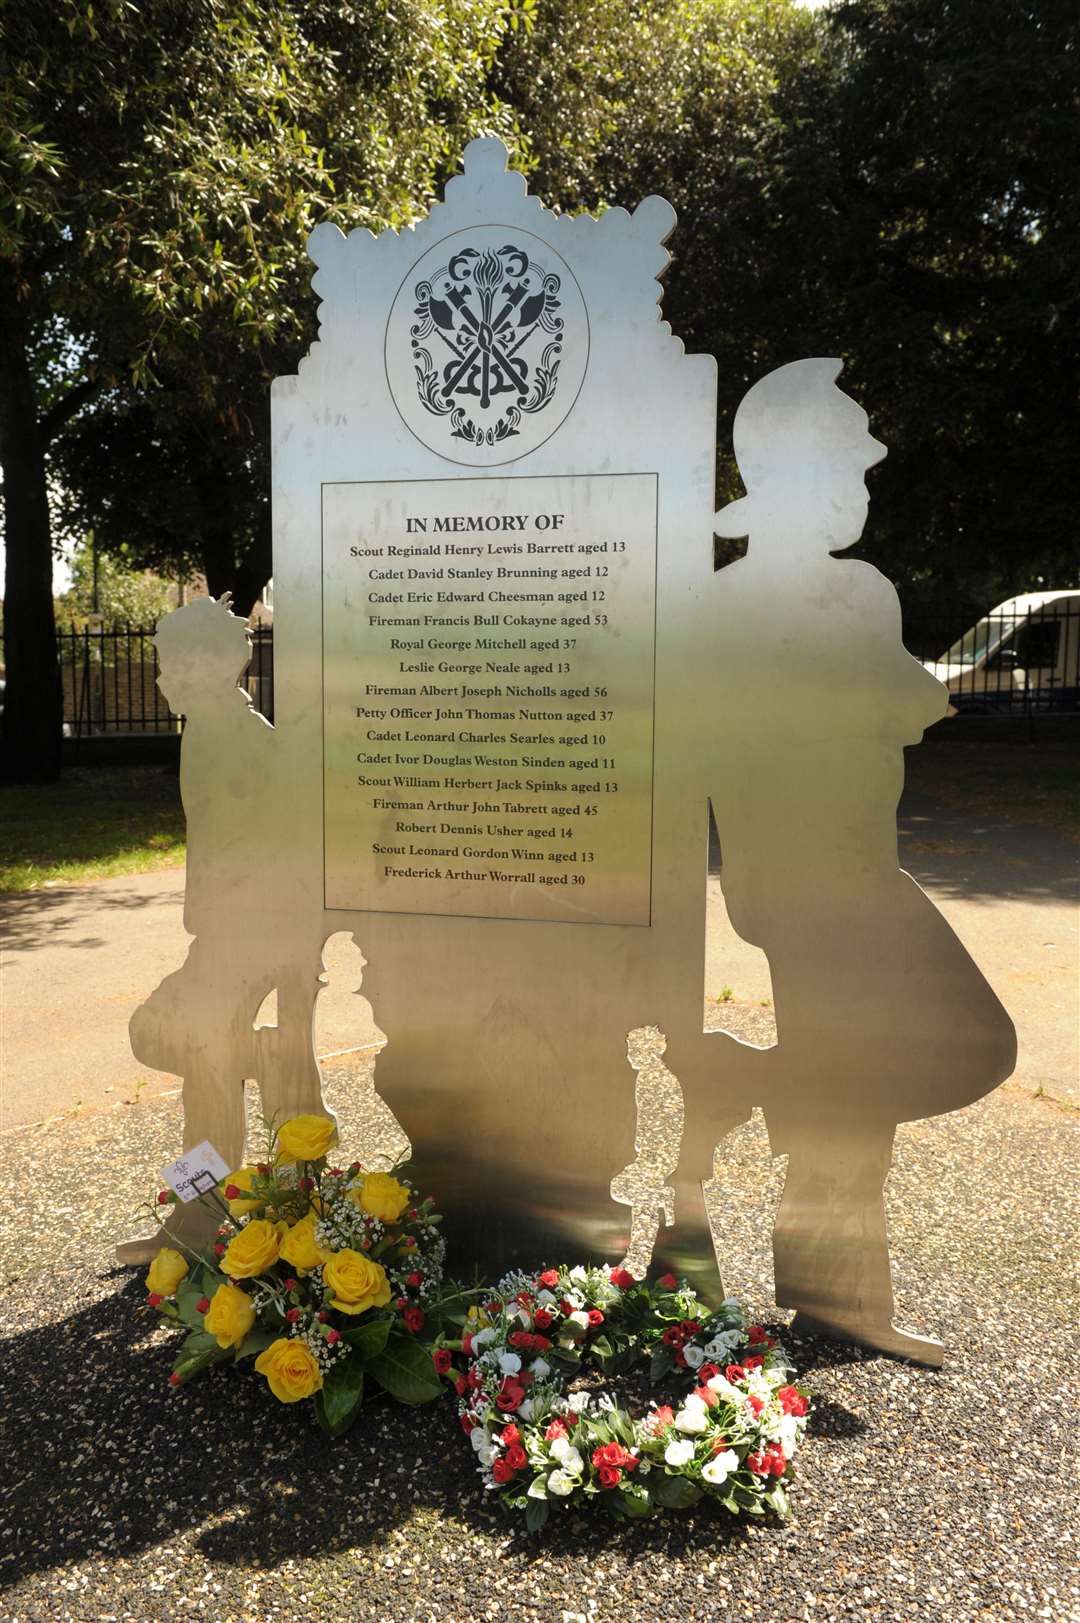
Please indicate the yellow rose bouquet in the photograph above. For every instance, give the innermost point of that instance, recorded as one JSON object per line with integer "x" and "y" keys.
{"x": 326, "y": 1277}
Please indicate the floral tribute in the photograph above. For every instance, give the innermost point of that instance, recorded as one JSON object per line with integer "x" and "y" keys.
{"x": 324, "y": 1276}
{"x": 543, "y": 1447}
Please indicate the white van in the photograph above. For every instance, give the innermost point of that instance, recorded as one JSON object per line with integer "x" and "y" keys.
{"x": 1022, "y": 656}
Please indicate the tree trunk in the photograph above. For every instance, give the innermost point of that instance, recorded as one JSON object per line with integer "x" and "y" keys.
{"x": 33, "y": 698}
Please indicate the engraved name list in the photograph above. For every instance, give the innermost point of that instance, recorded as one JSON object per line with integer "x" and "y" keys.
{"x": 488, "y": 650}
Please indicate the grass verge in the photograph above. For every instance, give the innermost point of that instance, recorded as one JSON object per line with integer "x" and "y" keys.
{"x": 95, "y": 822}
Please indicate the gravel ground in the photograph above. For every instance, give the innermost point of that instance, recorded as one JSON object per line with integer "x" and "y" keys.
{"x": 920, "y": 1494}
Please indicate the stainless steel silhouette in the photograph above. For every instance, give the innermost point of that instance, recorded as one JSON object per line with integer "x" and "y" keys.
{"x": 496, "y": 616}
{"x": 643, "y": 1185}
{"x": 881, "y": 1015}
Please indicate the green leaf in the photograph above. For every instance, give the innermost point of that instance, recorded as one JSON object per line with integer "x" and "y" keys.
{"x": 188, "y": 1296}
{"x": 370, "y": 1338}
{"x": 188, "y": 1365}
{"x": 197, "y": 1341}
{"x": 257, "y": 1341}
{"x": 778, "y": 1499}
{"x": 406, "y": 1371}
{"x": 536, "y": 1514}
{"x": 676, "y": 1492}
{"x": 660, "y": 1362}
{"x": 338, "y": 1403}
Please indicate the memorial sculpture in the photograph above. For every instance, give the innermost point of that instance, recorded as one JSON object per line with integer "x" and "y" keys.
{"x": 508, "y": 686}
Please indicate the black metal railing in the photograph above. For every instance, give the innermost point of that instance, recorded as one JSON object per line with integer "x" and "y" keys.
{"x": 109, "y": 676}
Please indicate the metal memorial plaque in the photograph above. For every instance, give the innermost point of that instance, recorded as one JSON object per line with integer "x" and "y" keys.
{"x": 509, "y": 686}
{"x": 488, "y": 650}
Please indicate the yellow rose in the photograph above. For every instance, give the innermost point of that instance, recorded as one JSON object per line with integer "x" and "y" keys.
{"x": 382, "y": 1196}
{"x": 243, "y": 1178}
{"x": 305, "y": 1138}
{"x": 356, "y": 1281}
{"x": 254, "y": 1249}
{"x": 229, "y": 1316}
{"x": 290, "y": 1367}
{"x": 300, "y": 1248}
{"x": 165, "y": 1272}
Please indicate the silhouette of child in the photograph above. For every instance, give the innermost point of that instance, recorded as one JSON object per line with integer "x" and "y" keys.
{"x": 248, "y": 939}
{"x": 642, "y": 1185}
{"x": 882, "y": 1016}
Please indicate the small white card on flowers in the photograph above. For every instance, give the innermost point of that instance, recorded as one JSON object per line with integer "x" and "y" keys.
{"x": 196, "y": 1173}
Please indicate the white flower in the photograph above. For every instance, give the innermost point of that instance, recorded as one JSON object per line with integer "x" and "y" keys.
{"x": 558, "y": 1482}
{"x": 678, "y": 1451}
{"x": 575, "y": 1299}
{"x": 482, "y": 1337}
{"x": 541, "y": 1368}
{"x": 525, "y": 1409}
{"x": 509, "y": 1363}
{"x": 546, "y": 1298}
{"x": 478, "y": 1437}
{"x": 578, "y": 1402}
{"x": 789, "y": 1434}
{"x": 720, "y": 1467}
{"x": 578, "y": 1273}
{"x": 580, "y": 1319}
{"x": 537, "y": 1488}
{"x": 567, "y": 1455}
{"x": 723, "y": 1388}
{"x": 693, "y": 1355}
{"x": 693, "y": 1421}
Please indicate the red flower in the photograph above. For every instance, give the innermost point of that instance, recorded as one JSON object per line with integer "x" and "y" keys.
{"x": 293, "y": 1314}
{"x": 565, "y": 1306}
{"x": 414, "y": 1280}
{"x": 673, "y": 1336}
{"x": 174, "y": 1379}
{"x": 734, "y": 1372}
{"x": 333, "y": 1337}
{"x": 660, "y": 1419}
{"x": 510, "y": 1396}
{"x": 557, "y": 1428}
{"x": 414, "y": 1319}
{"x": 609, "y": 1476}
{"x": 203, "y": 1305}
{"x": 719, "y": 1444}
{"x": 263, "y": 1170}
{"x": 709, "y": 1399}
{"x": 153, "y": 1299}
{"x": 680, "y": 1359}
{"x": 290, "y": 1284}
{"x": 543, "y": 1320}
{"x": 777, "y": 1462}
{"x": 707, "y": 1372}
{"x": 753, "y": 1363}
{"x": 758, "y": 1464}
{"x": 232, "y": 1191}
{"x": 668, "y": 1282}
{"x": 443, "y": 1360}
{"x": 596, "y": 1318}
{"x": 219, "y": 1250}
{"x": 475, "y": 1376}
{"x": 755, "y": 1333}
{"x": 466, "y": 1343}
{"x": 502, "y": 1471}
{"x": 791, "y": 1402}
{"x": 323, "y": 1316}
{"x": 461, "y": 1386}
{"x": 689, "y": 1328}
{"x": 755, "y": 1403}
{"x": 549, "y": 1278}
{"x": 623, "y": 1278}
{"x": 163, "y": 1197}
{"x": 613, "y": 1456}
{"x": 510, "y": 1434}
{"x": 516, "y": 1457}
{"x": 468, "y": 1424}
{"x": 401, "y": 1303}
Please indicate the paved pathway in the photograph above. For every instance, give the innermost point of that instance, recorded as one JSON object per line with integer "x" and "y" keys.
{"x": 77, "y": 960}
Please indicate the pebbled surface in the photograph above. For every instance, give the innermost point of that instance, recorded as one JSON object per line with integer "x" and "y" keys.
{"x": 921, "y": 1495}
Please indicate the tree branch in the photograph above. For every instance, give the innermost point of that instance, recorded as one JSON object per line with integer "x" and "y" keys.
{"x": 60, "y": 414}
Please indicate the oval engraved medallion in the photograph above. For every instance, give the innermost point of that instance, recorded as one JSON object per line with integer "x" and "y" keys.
{"x": 487, "y": 345}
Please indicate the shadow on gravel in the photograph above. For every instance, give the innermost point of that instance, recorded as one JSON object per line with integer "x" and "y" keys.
{"x": 103, "y": 1460}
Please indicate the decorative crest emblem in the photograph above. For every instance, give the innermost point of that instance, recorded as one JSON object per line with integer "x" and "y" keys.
{"x": 487, "y": 341}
